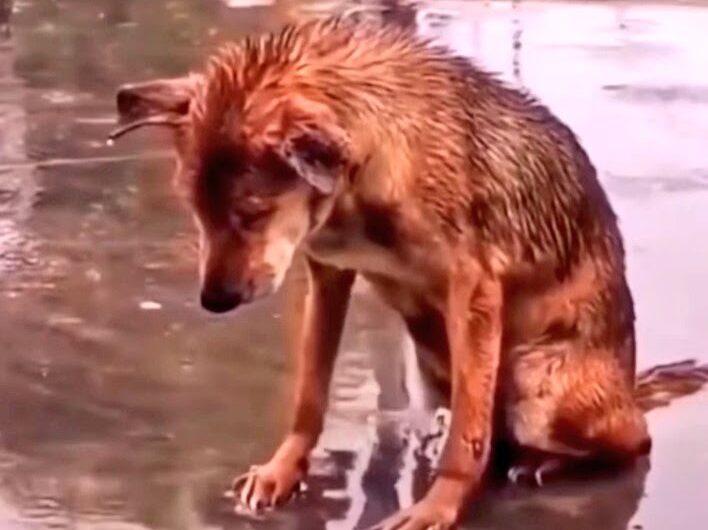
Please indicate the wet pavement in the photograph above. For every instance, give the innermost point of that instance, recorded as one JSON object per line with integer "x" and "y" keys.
{"x": 124, "y": 406}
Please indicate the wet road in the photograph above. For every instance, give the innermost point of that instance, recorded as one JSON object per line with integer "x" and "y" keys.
{"x": 124, "y": 406}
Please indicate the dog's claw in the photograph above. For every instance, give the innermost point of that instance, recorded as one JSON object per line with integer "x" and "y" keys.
{"x": 241, "y": 480}
{"x": 236, "y": 485}
{"x": 515, "y": 473}
{"x": 524, "y": 471}
{"x": 535, "y": 473}
{"x": 538, "y": 476}
{"x": 264, "y": 487}
{"x": 243, "y": 511}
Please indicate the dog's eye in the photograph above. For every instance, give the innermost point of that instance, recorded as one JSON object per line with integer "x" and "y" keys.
{"x": 250, "y": 212}
{"x": 254, "y": 203}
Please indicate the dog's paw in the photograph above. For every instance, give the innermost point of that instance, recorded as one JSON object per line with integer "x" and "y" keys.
{"x": 267, "y": 486}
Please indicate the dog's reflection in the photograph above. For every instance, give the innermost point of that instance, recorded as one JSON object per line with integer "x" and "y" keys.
{"x": 398, "y": 472}
{"x": 607, "y": 502}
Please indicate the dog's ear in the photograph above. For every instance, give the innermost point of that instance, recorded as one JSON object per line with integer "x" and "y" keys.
{"x": 162, "y": 102}
{"x": 160, "y": 97}
{"x": 316, "y": 155}
{"x": 312, "y": 143}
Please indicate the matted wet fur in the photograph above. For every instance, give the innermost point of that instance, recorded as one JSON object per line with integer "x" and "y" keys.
{"x": 470, "y": 208}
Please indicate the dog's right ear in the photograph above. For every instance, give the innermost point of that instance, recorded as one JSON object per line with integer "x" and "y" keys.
{"x": 157, "y": 102}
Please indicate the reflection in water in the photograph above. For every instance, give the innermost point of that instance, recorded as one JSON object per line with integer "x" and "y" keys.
{"x": 5, "y": 14}
{"x": 18, "y": 189}
{"x": 607, "y": 503}
{"x": 122, "y": 405}
{"x": 516, "y": 43}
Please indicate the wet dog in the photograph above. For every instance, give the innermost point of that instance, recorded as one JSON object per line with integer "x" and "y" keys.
{"x": 470, "y": 208}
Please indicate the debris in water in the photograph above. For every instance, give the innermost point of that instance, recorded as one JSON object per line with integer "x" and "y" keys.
{"x": 93, "y": 275}
{"x": 149, "y": 305}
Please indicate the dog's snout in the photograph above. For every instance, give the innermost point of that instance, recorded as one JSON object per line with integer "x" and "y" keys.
{"x": 221, "y": 300}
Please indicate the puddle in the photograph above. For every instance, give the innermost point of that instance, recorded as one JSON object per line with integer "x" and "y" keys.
{"x": 124, "y": 406}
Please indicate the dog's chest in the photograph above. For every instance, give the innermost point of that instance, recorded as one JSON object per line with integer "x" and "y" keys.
{"x": 358, "y": 236}
{"x": 351, "y": 249}
{"x": 375, "y": 239}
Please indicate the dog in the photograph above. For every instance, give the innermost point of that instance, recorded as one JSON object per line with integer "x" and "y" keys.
{"x": 467, "y": 205}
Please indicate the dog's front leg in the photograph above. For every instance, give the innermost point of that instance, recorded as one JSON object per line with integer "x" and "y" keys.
{"x": 316, "y": 322}
{"x": 474, "y": 327}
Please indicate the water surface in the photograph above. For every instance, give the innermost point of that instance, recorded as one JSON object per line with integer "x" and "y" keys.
{"x": 124, "y": 406}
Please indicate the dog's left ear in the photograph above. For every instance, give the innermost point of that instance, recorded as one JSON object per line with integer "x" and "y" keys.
{"x": 316, "y": 155}
{"x": 312, "y": 143}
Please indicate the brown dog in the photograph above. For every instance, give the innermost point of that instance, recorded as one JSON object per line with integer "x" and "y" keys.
{"x": 469, "y": 207}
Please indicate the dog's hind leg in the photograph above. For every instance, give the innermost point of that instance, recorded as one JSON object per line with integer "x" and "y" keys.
{"x": 572, "y": 407}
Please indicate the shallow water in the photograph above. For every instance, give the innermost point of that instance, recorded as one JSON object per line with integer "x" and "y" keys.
{"x": 124, "y": 406}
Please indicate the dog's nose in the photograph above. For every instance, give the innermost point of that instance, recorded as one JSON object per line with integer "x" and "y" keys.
{"x": 221, "y": 301}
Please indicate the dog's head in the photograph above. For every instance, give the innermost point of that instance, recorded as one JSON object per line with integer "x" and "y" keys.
{"x": 258, "y": 167}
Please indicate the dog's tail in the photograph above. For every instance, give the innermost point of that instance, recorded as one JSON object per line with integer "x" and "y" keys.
{"x": 660, "y": 385}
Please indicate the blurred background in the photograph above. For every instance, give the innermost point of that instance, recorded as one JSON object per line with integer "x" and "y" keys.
{"x": 124, "y": 406}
